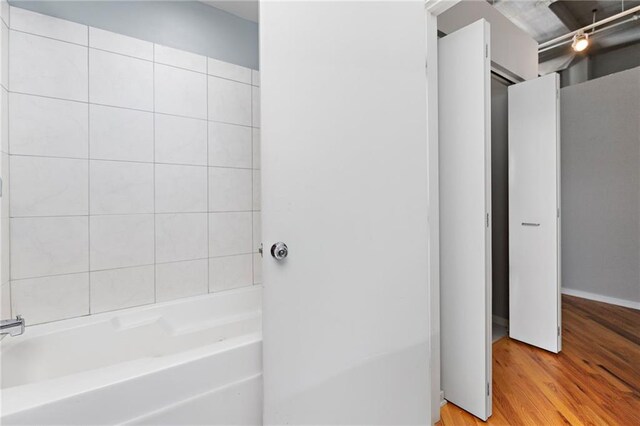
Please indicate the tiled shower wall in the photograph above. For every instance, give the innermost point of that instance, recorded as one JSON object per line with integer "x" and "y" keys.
{"x": 133, "y": 171}
{"x": 5, "y": 299}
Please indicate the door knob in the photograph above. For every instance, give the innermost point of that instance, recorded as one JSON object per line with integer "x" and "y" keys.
{"x": 279, "y": 251}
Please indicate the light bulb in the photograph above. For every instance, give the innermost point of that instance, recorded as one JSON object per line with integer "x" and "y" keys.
{"x": 580, "y": 42}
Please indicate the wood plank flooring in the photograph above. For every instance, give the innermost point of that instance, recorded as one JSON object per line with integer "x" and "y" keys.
{"x": 595, "y": 380}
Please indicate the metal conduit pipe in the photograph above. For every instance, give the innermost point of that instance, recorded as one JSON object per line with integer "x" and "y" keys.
{"x": 588, "y": 27}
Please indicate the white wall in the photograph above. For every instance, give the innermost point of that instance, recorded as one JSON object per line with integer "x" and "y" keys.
{"x": 133, "y": 171}
{"x": 601, "y": 186}
{"x": 512, "y": 49}
{"x": 5, "y": 298}
{"x": 188, "y": 25}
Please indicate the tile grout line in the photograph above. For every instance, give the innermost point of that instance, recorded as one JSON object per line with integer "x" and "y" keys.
{"x": 136, "y": 266}
{"x": 88, "y": 171}
{"x": 135, "y": 214}
{"x": 253, "y": 266}
{"x": 208, "y": 189}
{"x": 88, "y": 45}
{"x": 9, "y": 168}
{"x": 127, "y": 161}
{"x": 57, "y": 98}
{"x": 155, "y": 281}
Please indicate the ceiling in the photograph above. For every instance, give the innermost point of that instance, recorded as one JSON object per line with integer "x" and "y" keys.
{"x": 545, "y": 20}
{"x": 246, "y": 9}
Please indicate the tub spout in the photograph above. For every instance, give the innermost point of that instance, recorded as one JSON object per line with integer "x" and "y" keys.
{"x": 12, "y": 327}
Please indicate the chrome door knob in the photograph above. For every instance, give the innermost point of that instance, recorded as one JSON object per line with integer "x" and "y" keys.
{"x": 279, "y": 251}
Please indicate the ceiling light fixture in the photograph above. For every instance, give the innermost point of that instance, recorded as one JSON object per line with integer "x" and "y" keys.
{"x": 580, "y": 42}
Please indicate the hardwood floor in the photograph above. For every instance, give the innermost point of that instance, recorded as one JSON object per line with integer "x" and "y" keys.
{"x": 595, "y": 380}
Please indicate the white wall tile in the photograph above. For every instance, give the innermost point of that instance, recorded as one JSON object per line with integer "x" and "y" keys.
{"x": 229, "y": 101}
{"x": 229, "y": 189}
{"x": 118, "y": 187}
{"x": 255, "y": 106}
{"x": 121, "y": 241}
{"x": 5, "y": 244}
{"x": 5, "y": 273}
{"x": 4, "y": 11}
{"x": 126, "y": 237}
{"x": 229, "y": 71}
{"x": 48, "y": 127}
{"x": 180, "y": 58}
{"x": 181, "y": 279}
{"x": 42, "y": 66}
{"x": 180, "y": 92}
{"x": 229, "y": 233}
{"x": 4, "y": 55}
{"x": 48, "y": 26}
{"x": 6, "y": 193}
{"x": 48, "y": 299}
{"x": 257, "y": 190}
{"x": 118, "y": 43}
{"x": 229, "y": 145}
{"x": 49, "y": 246}
{"x": 118, "y": 80}
{"x": 257, "y": 268}
{"x": 5, "y": 260}
{"x": 42, "y": 186}
{"x": 4, "y": 120}
{"x": 5, "y": 301}
{"x": 181, "y": 236}
{"x": 180, "y": 140}
{"x": 256, "y": 148}
{"x": 181, "y": 189}
{"x": 120, "y": 134}
{"x": 122, "y": 288}
{"x": 257, "y": 231}
{"x": 230, "y": 272}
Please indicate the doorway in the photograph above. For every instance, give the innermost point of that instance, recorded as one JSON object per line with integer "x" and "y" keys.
{"x": 499, "y": 205}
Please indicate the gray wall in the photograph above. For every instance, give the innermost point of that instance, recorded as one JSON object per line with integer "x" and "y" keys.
{"x": 577, "y": 73}
{"x": 601, "y": 186}
{"x": 500, "y": 197}
{"x": 595, "y": 66}
{"x": 615, "y": 61}
{"x": 187, "y": 25}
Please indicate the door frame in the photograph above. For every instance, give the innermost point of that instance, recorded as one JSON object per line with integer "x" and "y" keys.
{"x": 433, "y": 8}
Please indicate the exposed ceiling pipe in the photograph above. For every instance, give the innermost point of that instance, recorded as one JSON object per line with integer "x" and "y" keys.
{"x": 588, "y": 27}
{"x": 608, "y": 27}
{"x": 560, "y": 9}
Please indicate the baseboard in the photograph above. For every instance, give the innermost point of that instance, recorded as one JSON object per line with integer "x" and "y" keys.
{"x": 443, "y": 401}
{"x": 600, "y": 298}
{"x": 500, "y": 321}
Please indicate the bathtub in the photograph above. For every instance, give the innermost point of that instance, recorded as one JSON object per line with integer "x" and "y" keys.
{"x": 186, "y": 362}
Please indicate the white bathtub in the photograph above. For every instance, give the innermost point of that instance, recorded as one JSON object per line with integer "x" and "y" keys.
{"x": 186, "y": 362}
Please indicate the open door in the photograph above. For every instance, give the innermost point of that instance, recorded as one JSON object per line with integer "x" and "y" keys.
{"x": 464, "y": 116}
{"x": 344, "y": 185}
{"x": 534, "y": 213}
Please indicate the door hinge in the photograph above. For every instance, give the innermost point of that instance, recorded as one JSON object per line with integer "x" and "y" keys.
{"x": 486, "y": 50}
{"x": 558, "y": 213}
{"x": 558, "y": 331}
{"x": 487, "y": 220}
{"x": 260, "y": 250}
{"x": 487, "y": 388}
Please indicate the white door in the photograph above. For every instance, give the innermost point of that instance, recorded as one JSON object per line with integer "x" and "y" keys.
{"x": 534, "y": 212}
{"x": 464, "y": 97}
{"x": 344, "y": 178}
